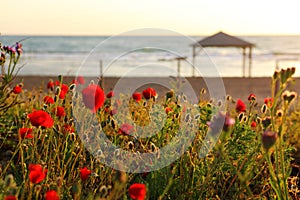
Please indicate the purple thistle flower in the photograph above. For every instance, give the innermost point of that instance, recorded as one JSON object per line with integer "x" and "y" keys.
{"x": 19, "y": 48}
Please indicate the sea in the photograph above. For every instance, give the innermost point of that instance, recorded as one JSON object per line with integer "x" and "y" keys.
{"x": 117, "y": 56}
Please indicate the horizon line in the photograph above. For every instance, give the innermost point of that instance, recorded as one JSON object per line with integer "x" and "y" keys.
{"x": 140, "y": 35}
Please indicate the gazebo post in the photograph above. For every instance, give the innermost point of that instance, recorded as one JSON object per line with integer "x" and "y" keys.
{"x": 250, "y": 61}
{"x": 244, "y": 61}
{"x": 194, "y": 55}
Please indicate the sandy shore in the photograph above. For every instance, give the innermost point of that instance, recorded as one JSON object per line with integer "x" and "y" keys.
{"x": 236, "y": 87}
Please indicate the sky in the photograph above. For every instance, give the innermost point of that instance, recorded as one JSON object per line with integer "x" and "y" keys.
{"x": 111, "y": 17}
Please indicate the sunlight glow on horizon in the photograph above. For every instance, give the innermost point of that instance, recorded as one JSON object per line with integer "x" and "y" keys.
{"x": 191, "y": 17}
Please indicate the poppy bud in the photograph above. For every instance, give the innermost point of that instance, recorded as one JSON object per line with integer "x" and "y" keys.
{"x": 275, "y": 75}
{"x": 266, "y": 122}
{"x": 252, "y": 97}
{"x": 268, "y": 139}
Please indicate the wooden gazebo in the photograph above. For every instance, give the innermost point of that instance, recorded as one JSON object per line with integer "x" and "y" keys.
{"x": 221, "y": 39}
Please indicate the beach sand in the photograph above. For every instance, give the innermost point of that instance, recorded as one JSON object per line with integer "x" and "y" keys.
{"x": 235, "y": 87}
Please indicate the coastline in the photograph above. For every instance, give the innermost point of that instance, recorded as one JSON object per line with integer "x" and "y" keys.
{"x": 236, "y": 87}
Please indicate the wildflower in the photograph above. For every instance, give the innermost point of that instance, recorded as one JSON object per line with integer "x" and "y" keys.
{"x": 41, "y": 118}
{"x": 25, "y": 133}
{"x": 240, "y": 106}
{"x": 149, "y": 93}
{"x": 170, "y": 94}
{"x": 80, "y": 80}
{"x": 93, "y": 97}
{"x": 17, "y": 89}
{"x": 50, "y": 85}
{"x": 63, "y": 91}
{"x": 51, "y": 195}
{"x": 2, "y": 58}
{"x": 276, "y": 75}
{"x": 84, "y": 173}
{"x": 221, "y": 122}
{"x": 9, "y": 49}
{"x": 110, "y": 94}
{"x": 68, "y": 128}
{"x": 75, "y": 82}
{"x": 126, "y": 129}
{"x": 137, "y": 96}
{"x": 36, "y": 173}
{"x": 168, "y": 109}
{"x": 19, "y": 48}
{"x": 253, "y": 124}
{"x": 10, "y": 197}
{"x": 137, "y": 191}
{"x": 268, "y": 139}
{"x": 59, "y": 111}
{"x": 57, "y": 83}
{"x": 113, "y": 112}
{"x": 48, "y": 100}
{"x": 229, "y": 122}
{"x": 252, "y": 97}
{"x": 269, "y": 102}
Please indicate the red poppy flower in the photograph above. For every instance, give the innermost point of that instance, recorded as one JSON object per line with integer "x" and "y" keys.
{"x": 253, "y": 124}
{"x": 110, "y": 94}
{"x": 41, "y": 118}
{"x": 93, "y": 97}
{"x": 168, "y": 109}
{"x": 48, "y": 100}
{"x": 80, "y": 80}
{"x": 75, "y": 82}
{"x": 85, "y": 173}
{"x": 137, "y": 96}
{"x": 10, "y": 197}
{"x": 252, "y": 97}
{"x": 51, "y": 195}
{"x": 137, "y": 191}
{"x": 25, "y": 133}
{"x": 240, "y": 106}
{"x": 113, "y": 112}
{"x": 63, "y": 91}
{"x": 50, "y": 85}
{"x": 17, "y": 89}
{"x": 68, "y": 128}
{"x": 149, "y": 93}
{"x": 57, "y": 83}
{"x": 36, "y": 173}
{"x": 268, "y": 102}
{"x": 59, "y": 111}
{"x": 126, "y": 129}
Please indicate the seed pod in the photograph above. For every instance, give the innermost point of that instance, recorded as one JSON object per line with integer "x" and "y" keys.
{"x": 241, "y": 116}
{"x": 9, "y": 181}
{"x": 266, "y": 122}
{"x": 264, "y": 109}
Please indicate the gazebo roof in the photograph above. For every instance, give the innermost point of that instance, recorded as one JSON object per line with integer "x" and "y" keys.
{"x": 221, "y": 39}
